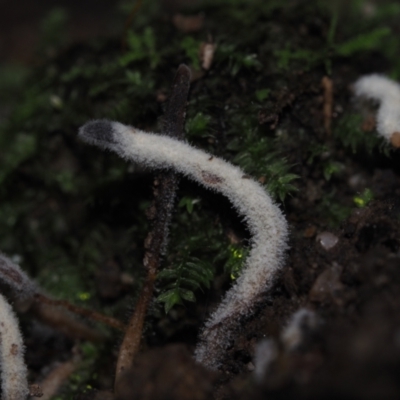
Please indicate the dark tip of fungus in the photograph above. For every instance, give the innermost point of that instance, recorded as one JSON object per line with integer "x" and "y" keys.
{"x": 98, "y": 132}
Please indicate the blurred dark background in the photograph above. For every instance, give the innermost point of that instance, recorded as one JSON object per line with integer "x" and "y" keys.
{"x": 21, "y": 22}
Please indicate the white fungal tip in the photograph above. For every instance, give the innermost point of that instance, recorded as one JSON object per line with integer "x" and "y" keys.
{"x": 302, "y": 322}
{"x": 377, "y": 87}
{"x": 387, "y": 93}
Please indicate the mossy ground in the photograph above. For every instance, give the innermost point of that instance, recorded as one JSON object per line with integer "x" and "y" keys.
{"x": 75, "y": 217}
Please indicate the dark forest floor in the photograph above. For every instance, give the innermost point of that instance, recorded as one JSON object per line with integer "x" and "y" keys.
{"x": 75, "y": 219}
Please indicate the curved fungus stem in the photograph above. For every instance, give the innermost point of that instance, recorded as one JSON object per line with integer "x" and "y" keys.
{"x": 265, "y": 220}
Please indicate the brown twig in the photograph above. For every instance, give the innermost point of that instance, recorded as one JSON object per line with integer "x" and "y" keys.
{"x": 84, "y": 312}
{"x": 159, "y": 214}
{"x": 28, "y": 294}
{"x": 328, "y": 103}
{"x": 64, "y": 322}
{"x": 58, "y": 376}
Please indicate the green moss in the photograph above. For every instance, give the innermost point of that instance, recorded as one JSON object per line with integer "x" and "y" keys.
{"x": 262, "y": 94}
{"x": 350, "y": 133}
{"x": 289, "y": 58}
{"x": 332, "y": 168}
{"x": 235, "y": 260}
{"x": 15, "y": 153}
{"x": 364, "y": 198}
{"x": 181, "y": 281}
{"x": 259, "y": 157}
{"x": 188, "y": 203}
{"x": 236, "y": 59}
{"x": 79, "y": 380}
{"x": 198, "y": 126}
{"x": 141, "y": 46}
{"x": 293, "y": 57}
{"x": 199, "y": 249}
{"x": 191, "y": 47}
{"x": 364, "y": 42}
{"x": 53, "y": 30}
{"x": 332, "y": 210}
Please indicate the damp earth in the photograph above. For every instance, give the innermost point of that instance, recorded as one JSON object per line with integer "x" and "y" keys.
{"x": 271, "y": 91}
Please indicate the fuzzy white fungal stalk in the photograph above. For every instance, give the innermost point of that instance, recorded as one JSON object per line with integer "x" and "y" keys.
{"x": 14, "y": 383}
{"x": 13, "y": 276}
{"x": 387, "y": 92}
{"x": 265, "y": 220}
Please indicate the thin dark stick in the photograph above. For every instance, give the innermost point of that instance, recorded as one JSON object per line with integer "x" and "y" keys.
{"x": 159, "y": 215}
{"x": 84, "y": 312}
